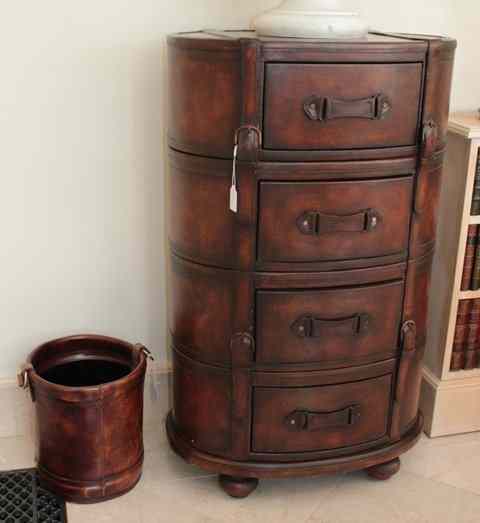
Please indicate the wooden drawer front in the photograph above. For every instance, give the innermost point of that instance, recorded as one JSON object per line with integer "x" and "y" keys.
{"x": 329, "y": 327}
{"x": 341, "y": 106}
{"x": 325, "y": 221}
{"x": 320, "y": 418}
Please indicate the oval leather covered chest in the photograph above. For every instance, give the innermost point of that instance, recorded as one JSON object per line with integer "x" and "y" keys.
{"x": 300, "y": 272}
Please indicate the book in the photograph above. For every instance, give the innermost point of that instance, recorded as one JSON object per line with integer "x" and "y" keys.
{"x": 475, "y": 283}
{"x": 476, "y": 191}
{"x": 477, "y": 348}
{"x": 472, "y": 336}
{"x": 461, "y": 333}
{"x": 470, "y": 249}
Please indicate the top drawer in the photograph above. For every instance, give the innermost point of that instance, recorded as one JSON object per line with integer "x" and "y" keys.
{"x": 341, "y": 106}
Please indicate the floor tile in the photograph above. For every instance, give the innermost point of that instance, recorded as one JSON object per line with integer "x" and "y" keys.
{"x": 436, "y": 484}
{"x": 164, "y": 465}
{"x": 405, "y": 498}
{"x": 121, "y": 510}
{"x": 202, "y": 501}
{"x": 16, "y": 453}
{"x": 440, "y": 457}
{"x": 464, "y": 473}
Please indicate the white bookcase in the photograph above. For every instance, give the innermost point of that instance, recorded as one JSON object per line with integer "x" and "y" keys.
{"x": 451, "y": 399}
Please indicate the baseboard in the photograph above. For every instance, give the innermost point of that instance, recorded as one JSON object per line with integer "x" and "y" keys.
{"x": 18, "y": 418}
{"x": 450, "y": 407}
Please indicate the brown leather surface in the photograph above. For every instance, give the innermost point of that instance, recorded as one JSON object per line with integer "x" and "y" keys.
{"x": 334, "y": 345}
{"x": 288, "y": 86}
{"x": 283, "y": 203}
{"x": 272, "y": 406}
{"x": 89, "y": 439}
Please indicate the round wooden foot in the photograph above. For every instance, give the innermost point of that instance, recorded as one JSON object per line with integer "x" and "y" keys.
{"x": 384, "y": 470}
{"x": 237, "y": 487}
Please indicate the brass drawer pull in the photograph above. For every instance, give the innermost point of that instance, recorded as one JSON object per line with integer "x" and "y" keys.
{"x": 308, "y": 326}
{"x": 314, "y": 223}
{"x": 322, "y": 109}
{"x": 304, "y": 420}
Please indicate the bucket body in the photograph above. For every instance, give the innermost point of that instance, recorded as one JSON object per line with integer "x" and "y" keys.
{"x": 88, "y": 396}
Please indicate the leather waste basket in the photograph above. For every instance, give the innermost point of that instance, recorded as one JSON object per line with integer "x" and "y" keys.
{"x": 88, "y": 396}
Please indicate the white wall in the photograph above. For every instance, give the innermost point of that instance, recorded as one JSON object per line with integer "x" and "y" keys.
{"x": 82, "y": 103}
{"x": 459, "y": 19}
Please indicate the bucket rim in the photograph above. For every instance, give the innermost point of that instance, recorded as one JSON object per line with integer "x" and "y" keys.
{"x": 135, "y": 373}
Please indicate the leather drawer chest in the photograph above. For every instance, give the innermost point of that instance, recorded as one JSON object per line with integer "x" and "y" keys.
{"x": 304, "y": 178}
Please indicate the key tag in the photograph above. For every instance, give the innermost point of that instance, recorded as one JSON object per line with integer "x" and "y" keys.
{"x": 233, "y": 187}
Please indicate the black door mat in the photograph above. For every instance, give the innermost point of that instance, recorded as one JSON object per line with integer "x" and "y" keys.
{"x": 23, "y": 500}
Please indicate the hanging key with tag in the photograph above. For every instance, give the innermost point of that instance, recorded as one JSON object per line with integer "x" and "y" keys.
{"x": 233, "y": 187}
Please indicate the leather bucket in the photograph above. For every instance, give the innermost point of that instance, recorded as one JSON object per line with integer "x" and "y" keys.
{"x": 88, "y": 397}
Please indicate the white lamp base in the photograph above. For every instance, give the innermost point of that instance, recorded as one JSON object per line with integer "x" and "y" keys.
{"x": 310, "y": 19}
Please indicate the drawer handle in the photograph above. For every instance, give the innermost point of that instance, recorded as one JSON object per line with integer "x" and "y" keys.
{"x": 304, "y": 420}
{"x": 307, "y": 326}
{"x": 314, "y": 223}
{"x": 322, "y": 109}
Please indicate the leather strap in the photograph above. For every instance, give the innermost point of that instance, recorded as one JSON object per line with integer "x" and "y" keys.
{"x": 310, "y": 421}
{"x": 323, "y": 109}
{"x": 315, "y": 223}
{"x": 409, "y": 336}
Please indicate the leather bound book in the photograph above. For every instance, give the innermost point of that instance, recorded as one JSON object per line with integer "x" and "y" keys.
{"x": 475, "y": 283}
{"x": 469, "y": 257}
{"x": 476, "y": 191}
{"x": 470, "y": 360}
{"x": 461, "y": 335}
{"x": 476, "y": 362}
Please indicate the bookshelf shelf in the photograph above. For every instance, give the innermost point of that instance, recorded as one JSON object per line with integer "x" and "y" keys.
{"x": 450, "y": 398}
{"x": 464, "y": 374}
{"x": 469, "y": 295}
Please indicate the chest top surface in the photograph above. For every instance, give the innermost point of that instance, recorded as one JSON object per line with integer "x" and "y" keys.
{"x": 211, "y": 38}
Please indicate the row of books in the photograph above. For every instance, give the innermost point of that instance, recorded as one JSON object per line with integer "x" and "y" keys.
{"x": 466, "y": 343}
{"x": 471, "y": 266}
{"x": 476, "y": 190}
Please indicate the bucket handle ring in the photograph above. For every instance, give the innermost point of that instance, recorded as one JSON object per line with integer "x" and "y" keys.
{"x": 145, "y": 351}
{"x": 23, "y": 376}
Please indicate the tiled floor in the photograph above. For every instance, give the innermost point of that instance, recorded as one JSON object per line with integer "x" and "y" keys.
{"x": 439, "y": 482}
